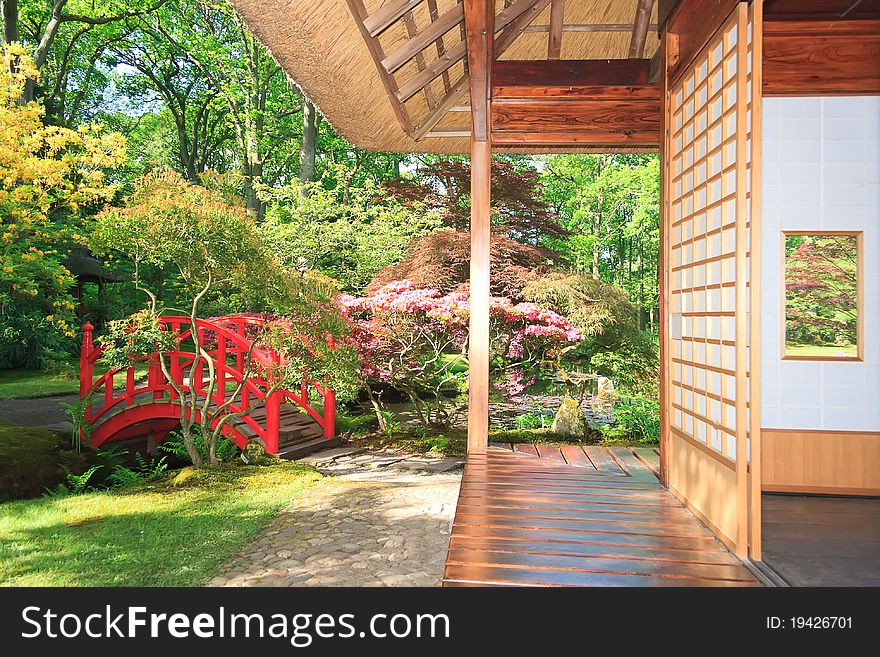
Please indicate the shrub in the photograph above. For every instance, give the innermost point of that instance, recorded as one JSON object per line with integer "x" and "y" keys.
{"x": 635, "y": 418}
{"x": 405, "y": 337}
{"x": 533, "y": 421}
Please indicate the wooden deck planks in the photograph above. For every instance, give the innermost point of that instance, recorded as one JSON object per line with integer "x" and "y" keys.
{"x": 532, "y": 517}
{"x": 574, "y": 455}
{"x": 525, "y": 448}
{"x": 602, "y": 459}
{"x": 650, "y": 457}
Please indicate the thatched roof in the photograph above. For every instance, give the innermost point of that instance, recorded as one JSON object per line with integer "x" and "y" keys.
{"x": 322, "y": 47}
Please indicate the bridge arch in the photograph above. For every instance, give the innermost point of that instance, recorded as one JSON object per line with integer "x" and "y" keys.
{"x": 126, "y": 405}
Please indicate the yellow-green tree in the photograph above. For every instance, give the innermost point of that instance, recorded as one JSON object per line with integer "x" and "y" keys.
{"x": 50, "y": 179}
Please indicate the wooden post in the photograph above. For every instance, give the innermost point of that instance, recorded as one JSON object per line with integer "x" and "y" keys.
{"x": 741, "y": 291}
{"x": 478, "y": 344}
{"x": 329, "y": 413}
{"x": 663, "y": 262}
{"x": 479, "y": 28}
{"x": 755, "y": 442}
{"x": 273, "y": 410}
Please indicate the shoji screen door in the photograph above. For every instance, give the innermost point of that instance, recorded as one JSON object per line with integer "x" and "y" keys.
{"x": 708, "y": 162}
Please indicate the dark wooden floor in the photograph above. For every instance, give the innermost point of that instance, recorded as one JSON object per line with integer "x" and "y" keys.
{"x": 559, "y": 518}
{"x": 822, "y": 541}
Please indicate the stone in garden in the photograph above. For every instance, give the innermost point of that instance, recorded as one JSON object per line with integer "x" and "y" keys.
{"x": 570, "y": 419}
{"x": 255, "y": 454}
{"x": 606, "y": 395}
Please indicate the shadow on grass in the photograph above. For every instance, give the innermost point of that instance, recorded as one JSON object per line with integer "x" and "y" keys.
{"x": 149, "y": 535}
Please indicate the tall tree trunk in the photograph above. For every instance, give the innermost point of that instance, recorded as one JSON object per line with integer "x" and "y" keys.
{"x": 641, "y": 276}
{"x": 10, "y": 21}
{"x": 311, "y": 121}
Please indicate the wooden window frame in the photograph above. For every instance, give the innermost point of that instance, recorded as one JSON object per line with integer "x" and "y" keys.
{"x": 860, "y": 297}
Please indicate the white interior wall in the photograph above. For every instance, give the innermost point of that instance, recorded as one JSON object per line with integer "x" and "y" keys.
{"x": 821, "y": 170}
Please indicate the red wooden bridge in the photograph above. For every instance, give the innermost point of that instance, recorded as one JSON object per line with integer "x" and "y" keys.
{"x": 126, "y": 406}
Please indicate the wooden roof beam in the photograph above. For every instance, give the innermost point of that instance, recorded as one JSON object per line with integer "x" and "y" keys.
{"x": 386, "y": 15}
{"x": 409, "y": 22}
{"x": 588, "y": 27}
{"x": 360, "y": 15}
{"x": 454, "y": 54}
{"x": 571, "y": 73}
{"x": 479, "y": 16}
{"x": 518, "y": 25}
{"x": 421, "y": 40}
{"x": 640, "y": 29}
{"x": 441, "y": 46}
{"x": 557, "y": 20}
{"x": 446, "y": 104}
{"x": 502, "y": 42}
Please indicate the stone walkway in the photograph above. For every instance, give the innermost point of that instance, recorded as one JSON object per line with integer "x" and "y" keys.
{"x": 380, "y": 520}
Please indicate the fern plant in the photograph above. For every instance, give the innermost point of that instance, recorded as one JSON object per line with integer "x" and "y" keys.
{"x": 226, "y": 449}
{"x": 77, "y": 484}
{"x": 143, "y": 471}
{"x": 82, "y": 428}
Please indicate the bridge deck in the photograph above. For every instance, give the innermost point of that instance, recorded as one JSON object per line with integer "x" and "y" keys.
{"x": 549, "y": 518}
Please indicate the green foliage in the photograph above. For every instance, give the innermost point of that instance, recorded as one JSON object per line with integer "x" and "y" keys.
{"x": 50, "y": 176}
{"x": 503, "y": 435}
{"x": 613, "y": 345}
{"x": 77, "y": 484}
{"x": 636, "y": 419}
{"x": 632, "y": 363}
{"x": 356, "y": 425}
{"x": 535, "y": 420}
{"x": 821, "y": 294}
{"x": 610, "y": 205}
{"x": 391, "y": 425}
{"x": 82, "y": 429}
{"x": 227, "y": 451}
{"x": 348, "y": 239}
{"x": 135, "y": 338}
{"x": 32, "y": 459}
{"x": 419, "y": 440}
{"x": 143, "y": 470}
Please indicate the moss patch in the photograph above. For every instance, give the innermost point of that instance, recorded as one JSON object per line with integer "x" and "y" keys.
{"x": 32, "y": 459}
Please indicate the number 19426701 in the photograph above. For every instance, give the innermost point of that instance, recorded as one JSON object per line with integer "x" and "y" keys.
{"x": 809, "y": 623}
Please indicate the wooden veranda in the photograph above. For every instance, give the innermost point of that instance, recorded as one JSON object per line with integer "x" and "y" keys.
{"x": 578, "y": 518}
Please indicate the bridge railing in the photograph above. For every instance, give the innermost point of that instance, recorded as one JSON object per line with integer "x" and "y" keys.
{"x": 228, "y": 342}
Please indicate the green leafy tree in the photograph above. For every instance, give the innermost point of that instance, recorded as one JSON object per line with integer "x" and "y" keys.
{"x": 348, "y": 240}
{"x": 50, "y": 177}
{"x": 212, "y": 245}
{"x": 610, "y": 205}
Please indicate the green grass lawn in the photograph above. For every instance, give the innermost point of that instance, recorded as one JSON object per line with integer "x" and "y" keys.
{"x": 172, "y": 532}
{"x": 821, "y": 351}
{"x": 29, "y": 384}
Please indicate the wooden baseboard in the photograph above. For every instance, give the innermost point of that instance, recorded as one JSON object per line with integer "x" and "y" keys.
{"x": 821, "y": 490}
{"x": 820, "y": 461}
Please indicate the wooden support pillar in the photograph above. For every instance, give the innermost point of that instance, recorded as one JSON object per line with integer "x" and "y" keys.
{"x": 478, "y": 345}
{"x": 479, "y": 18}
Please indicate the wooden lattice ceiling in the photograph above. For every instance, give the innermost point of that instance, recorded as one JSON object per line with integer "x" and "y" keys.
{"x": 420, "y": 51}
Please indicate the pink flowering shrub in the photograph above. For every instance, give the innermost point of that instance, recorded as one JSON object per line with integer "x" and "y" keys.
{"x": 410, "y": 339}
